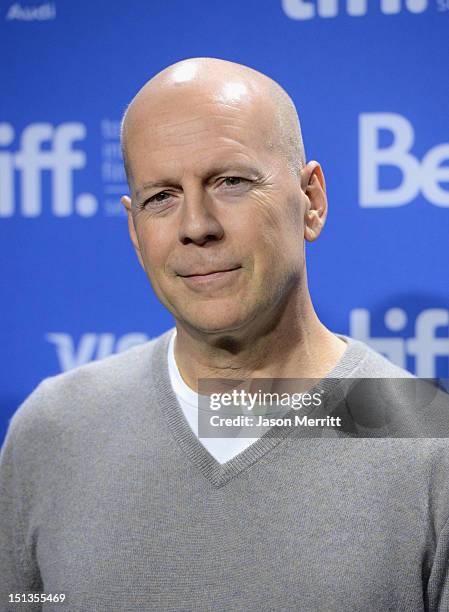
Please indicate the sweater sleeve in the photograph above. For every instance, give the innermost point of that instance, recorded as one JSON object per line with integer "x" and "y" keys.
{"x": 19, "y": 572}
{"x": 438, "y": 586}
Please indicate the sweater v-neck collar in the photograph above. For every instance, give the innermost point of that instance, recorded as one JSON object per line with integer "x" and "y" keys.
{"x": 220, "y": 473}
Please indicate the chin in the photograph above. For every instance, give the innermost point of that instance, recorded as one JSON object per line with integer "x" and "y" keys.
{"x": 216, "y": 327}
{"x": 213, "y": 322}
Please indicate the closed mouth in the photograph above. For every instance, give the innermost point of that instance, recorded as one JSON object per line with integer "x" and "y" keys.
{"x": 209, "y": 273}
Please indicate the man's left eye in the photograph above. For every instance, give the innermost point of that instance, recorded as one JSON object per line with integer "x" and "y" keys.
{"x": 233, "y": 180}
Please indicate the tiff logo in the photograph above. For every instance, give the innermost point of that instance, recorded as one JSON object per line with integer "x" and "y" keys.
{"x": 31, "y": 160}
{"x": 306, "y": 9}
{"x": 424, "y": 346}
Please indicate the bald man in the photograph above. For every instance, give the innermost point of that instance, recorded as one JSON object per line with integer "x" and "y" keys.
{"x": 110, "y": 497}
{"x": 220, "y": 200}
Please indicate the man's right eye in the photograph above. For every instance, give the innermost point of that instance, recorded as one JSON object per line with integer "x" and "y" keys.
{"x": 155, "y": 198}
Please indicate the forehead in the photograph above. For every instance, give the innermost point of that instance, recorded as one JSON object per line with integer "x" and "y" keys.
{"x": 179, "y": 132}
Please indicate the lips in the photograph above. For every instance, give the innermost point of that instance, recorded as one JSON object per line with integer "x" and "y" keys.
{"x": 212, "y": 282}
{"x": 210, "y": 272}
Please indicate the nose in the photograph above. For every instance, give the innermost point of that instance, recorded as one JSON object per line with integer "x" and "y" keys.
{"x": 199, "y": 224}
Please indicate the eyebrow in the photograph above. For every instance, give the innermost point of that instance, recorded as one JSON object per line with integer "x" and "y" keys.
{"x": 239, "y": 167}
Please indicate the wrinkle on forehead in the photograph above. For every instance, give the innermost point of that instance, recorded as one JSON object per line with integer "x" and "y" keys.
{"x": 210, "y": 122}
{"x": 258, "y": 101}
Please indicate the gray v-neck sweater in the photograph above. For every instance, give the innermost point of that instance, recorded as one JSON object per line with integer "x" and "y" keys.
{"x": 108, "y": 497}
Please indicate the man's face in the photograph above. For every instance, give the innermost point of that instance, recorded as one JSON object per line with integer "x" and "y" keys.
{"x": 221, "y": 234}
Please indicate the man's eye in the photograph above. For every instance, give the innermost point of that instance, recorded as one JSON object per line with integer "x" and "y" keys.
{"x": 155, "y": 198}
{"x": 233, "y": 180}
{"x": 230, "y": 181}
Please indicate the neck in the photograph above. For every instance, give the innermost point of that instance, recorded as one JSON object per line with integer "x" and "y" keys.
{"x": 296, "y": 345}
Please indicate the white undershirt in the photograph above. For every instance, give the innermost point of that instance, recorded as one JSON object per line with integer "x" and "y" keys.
{"x": 222, "y": 449}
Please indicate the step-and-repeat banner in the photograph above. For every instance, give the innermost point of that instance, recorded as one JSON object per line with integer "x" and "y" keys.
{"x": 371, "y": 84}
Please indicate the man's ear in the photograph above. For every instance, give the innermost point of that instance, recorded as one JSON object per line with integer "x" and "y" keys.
{"x": 314, "y": 188}
{"x": 126, "y": 201}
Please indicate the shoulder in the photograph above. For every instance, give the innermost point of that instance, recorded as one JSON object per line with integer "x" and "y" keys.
{"x": 372, "y": 364}
{"x": 387, "y": 394}
{"x": 69, "y": 397}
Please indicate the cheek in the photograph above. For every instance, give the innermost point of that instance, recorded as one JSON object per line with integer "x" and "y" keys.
{"x": 276, "y": 226}
{"x": 253, "y": 233}
{"x": 154, "y": 247}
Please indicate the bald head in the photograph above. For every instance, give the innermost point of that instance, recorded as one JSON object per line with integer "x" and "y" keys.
{"x": 201, "y": 79}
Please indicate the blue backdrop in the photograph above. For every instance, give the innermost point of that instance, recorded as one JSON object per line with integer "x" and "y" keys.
{"x": 371, "y": 83}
